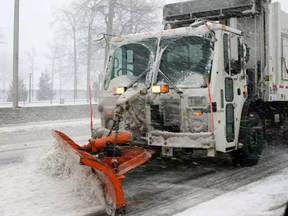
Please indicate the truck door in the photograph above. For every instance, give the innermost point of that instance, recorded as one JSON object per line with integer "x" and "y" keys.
{"x": 234, "y": 87}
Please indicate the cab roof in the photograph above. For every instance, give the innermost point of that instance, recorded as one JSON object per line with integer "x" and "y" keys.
{"x": 184, "y": 31}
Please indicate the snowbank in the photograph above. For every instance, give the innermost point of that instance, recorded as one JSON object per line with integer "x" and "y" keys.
{"x": 46, "y": 125}
{"x": 266, "y": 197}
{"x": 25, "y": 191}
{"x": 38, "y": 114}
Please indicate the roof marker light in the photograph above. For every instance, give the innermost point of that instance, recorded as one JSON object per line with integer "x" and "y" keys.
{"x": 119, "y": 39}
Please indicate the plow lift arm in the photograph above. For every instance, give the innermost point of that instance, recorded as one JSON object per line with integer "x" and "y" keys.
{"x": 110, "y": 157}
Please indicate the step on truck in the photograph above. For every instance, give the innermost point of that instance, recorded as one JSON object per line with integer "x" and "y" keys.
{"x": 215, "y": 79}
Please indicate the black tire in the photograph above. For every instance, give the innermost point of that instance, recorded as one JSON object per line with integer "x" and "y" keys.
{"x": 252, "y": 138}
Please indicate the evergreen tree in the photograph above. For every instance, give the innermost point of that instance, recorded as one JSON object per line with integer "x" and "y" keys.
{"x": 45, "y": 87}
{"x": 22, "y": 91}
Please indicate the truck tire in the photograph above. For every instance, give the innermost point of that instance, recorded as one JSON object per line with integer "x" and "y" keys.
{"x": 252, "y": 140}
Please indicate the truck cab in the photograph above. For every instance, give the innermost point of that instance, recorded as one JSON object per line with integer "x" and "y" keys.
{"x": 187, "y": 87}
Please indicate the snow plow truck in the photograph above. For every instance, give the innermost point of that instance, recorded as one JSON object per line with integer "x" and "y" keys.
{"x": 215, "y": 79}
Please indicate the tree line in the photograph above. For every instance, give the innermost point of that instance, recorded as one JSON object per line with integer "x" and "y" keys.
{"x": 79, "y": 24}
{"x": 74, "y": 55}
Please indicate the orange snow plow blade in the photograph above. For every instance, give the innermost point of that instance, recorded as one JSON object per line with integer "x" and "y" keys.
{"x": 110, "y": 170}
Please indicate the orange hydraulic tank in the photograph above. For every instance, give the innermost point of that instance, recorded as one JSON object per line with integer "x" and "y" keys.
{"x": 98, "y": 144}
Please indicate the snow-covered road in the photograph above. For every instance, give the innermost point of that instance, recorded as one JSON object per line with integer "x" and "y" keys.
{"x": 23, "y": 189}
{"x": 163, "y": 187}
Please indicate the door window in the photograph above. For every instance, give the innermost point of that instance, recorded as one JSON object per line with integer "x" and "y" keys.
{"x": 236, "y": 55}
{"x": 229, "y": 89}
{"x": 226, "y": 53}
{"x": 230, "y": 134}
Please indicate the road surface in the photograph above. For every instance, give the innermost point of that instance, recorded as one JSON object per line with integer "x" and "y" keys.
{"x": 190, "y": 186}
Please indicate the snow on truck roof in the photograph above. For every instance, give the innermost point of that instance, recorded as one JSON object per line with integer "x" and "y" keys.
{"x": 196, "y": 6}
{"x": 200, "y": 30}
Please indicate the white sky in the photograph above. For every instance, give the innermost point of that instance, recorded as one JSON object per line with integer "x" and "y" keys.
{"x": 35, "y": 21}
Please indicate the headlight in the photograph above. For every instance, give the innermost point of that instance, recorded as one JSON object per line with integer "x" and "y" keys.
{"x": 197, "y": 101}
{"x": 119, "y": 90}
{"x": 160, "y": 89}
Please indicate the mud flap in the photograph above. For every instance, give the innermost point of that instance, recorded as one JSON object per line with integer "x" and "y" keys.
{"x": 109, "y": 170}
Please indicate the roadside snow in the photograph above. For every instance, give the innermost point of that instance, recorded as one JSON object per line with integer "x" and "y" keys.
{"x": 266, "y": 197}
{"x": 46, "y": 125}
{"x": 25, "y": 191}
{"x": 36, "y": 144}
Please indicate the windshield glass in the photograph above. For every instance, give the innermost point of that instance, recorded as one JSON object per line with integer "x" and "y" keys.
{"x": 186, "y": 61}
{"x": 131, "y": 60}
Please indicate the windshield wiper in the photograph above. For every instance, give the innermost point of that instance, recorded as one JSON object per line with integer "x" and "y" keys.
{"x": 178, "y": 90}
{"x": 138, "y": 78}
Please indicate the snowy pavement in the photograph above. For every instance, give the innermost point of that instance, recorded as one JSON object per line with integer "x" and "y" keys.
{"x": 24, "y": 190}
{"x": 46, "y": 103}
{"x": 265, "y": 197}
{"x": 163, "y": 187}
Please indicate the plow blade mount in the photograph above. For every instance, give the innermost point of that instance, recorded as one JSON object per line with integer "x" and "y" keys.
{"x": 110, "y": 170}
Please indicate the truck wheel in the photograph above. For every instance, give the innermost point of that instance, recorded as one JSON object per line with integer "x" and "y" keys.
{"x": 253, "y": 140}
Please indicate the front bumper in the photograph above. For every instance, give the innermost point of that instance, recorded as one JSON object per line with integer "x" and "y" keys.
{"x": 182, "y": 140}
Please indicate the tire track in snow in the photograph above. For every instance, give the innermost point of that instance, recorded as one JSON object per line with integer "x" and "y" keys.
{"x": 177, "y": 195}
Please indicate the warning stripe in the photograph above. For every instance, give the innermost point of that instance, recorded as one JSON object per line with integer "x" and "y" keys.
{"x": 280, "y": 86}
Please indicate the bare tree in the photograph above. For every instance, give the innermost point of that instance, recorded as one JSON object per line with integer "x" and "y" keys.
{"x": 132, "y": 16}
{"x": 70, "y": 22}
{"x": 5, "y": 71}
{"x": 82, "y": 20}
{"x": 56, "y": 58}
{"x": 90, "y": 11}
{"x": 1, "y": 36}
{"x": 30, "y": 57}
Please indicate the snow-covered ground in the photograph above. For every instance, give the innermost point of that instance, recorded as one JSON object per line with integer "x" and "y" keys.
{"x": 46, "y": 103}
{"x": 26, "y": 192}
{"x": 267, "y": 197}
{"x": 47, "y": 125}
{"x": 25, "y": 189}
{"x": 31, "y": 180}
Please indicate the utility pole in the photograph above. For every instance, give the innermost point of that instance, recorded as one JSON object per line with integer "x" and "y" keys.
{"x": 52, "y": 81}
{"x": 16, "y": 54}
{"x": 89, "y": 58}
{"x": 30, "y": 87}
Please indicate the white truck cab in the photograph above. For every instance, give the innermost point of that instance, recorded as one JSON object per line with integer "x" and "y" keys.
{"x": 202, "y": 83}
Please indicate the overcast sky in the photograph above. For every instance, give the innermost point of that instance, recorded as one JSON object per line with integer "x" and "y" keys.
{"x": 35, "y": 21}
{"x": 35, "y": 18}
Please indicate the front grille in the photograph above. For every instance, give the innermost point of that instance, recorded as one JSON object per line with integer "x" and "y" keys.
{"x": 167, "y": 116}
{"x": 156, "y": 117}
{"x": 172, "y": 114}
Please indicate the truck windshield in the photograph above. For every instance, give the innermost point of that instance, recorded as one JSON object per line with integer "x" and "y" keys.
{"x": 186, "y": 61}
{"x": 130, "y": 62}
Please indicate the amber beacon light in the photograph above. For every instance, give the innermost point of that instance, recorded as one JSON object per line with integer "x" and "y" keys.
{"x": 160, "y": 89}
